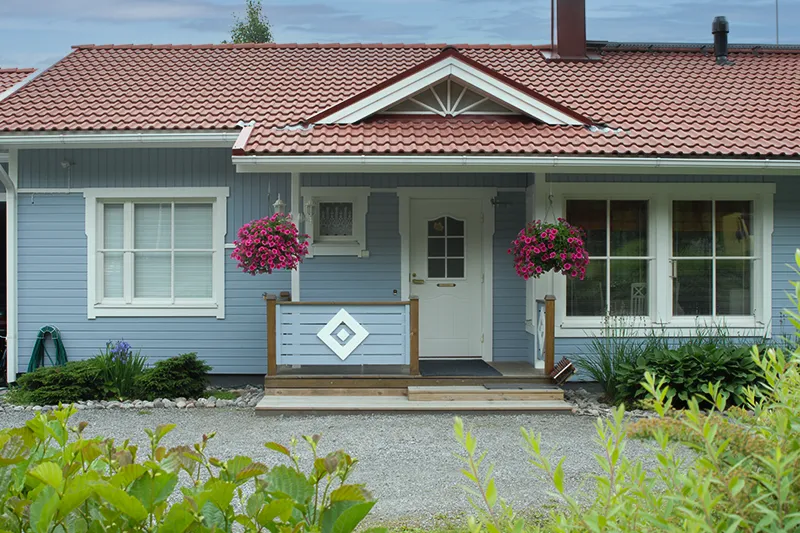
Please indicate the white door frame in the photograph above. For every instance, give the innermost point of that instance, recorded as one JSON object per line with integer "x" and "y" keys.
{"x": 405, "y": 195}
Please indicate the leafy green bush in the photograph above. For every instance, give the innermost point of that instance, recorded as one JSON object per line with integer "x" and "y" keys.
{"x": 119, "y": 368}
{"x": 73, "y": 382}
{"x": 688, "y": 369}
{"x": 54, "y": 479}
{"x": 184, "y": 376}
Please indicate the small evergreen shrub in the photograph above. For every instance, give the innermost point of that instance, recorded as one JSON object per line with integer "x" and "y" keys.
{"x": 184, "y": 376}
{"x": 55, "y": 479}
{"x": 687, "y": 370}
{"x": 73, "y": 382}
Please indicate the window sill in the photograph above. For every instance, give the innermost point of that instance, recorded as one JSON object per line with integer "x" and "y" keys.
{"x": 337, "y": 248}
{"x": 639, "y": 327}
{"x": 167, "y": 310}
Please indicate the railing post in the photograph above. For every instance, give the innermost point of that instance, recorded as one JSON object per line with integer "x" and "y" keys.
{"x": 272, "y": 347}
{"x": 414, "y": 335}
{"x": 549, "y": 333}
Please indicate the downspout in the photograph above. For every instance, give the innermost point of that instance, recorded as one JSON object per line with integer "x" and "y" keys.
{"x": 12, "y": 360}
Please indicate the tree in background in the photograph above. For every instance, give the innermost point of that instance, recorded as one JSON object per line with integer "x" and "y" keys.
{"x": 254, "y": 28}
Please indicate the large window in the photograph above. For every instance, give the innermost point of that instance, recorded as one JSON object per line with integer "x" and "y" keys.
{"x": 617, "y": 278}
{"x": 157, "y": 256}
{"x": 713, "y": 256}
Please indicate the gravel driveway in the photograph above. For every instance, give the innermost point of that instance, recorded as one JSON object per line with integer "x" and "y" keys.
{"x": 405, "y": 460}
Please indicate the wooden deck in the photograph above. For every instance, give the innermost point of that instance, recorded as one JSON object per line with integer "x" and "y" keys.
{"x": 518, "y": 388}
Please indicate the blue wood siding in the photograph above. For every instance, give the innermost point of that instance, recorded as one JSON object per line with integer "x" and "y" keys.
{"x": 349, "y": 278}
{"x": 386, "y": 344}
{"x": 52, "y": 255}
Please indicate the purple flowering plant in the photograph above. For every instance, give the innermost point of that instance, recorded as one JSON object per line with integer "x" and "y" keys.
{"x": 119, "y": 367}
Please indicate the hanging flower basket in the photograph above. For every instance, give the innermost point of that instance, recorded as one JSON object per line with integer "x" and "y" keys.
{"x": 542, "y": 247}
{"x": 269, "y": 243}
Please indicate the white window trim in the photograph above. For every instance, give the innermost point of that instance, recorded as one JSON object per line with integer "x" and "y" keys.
{"x": 660, "y": 196}
{"x": 214, "y": 308}
{"x": 357, "y": 245}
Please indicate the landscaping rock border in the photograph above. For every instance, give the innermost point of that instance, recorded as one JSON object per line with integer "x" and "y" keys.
{"x": 249, "y": 397}
{"x": 589, "y": 404}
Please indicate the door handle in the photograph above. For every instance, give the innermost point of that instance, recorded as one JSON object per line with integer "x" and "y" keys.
{"x": 417, "y": 281}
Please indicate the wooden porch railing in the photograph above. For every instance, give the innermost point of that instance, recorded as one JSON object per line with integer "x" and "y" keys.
{"x": 275, "y": 315}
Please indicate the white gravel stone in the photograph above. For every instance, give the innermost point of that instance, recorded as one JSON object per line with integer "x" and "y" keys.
{"x": 180, "y": 404}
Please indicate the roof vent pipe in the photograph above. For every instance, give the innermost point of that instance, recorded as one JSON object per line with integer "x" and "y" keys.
{"x": 720, "y": 29}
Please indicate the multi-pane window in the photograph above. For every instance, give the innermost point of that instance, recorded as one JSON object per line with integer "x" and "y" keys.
{"x": 713, "y": 254}
{"x": 618, "y": 276}
{"x": 156, "y": 252}
{"x": 446, "y": 248}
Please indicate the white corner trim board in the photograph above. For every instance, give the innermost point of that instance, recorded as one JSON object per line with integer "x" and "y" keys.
{"x": 9, "y": 181}
{"x": 466, "y": 74}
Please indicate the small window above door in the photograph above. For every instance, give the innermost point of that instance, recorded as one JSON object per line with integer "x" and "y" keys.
{"x": 336, "y": 220}
{"x": 446, "y": 248}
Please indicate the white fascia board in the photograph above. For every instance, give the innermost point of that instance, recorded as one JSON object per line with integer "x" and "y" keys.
{"x": 125, "y": 139}
{"x": 551, "y": 164}
{"x": 465, "y": 73}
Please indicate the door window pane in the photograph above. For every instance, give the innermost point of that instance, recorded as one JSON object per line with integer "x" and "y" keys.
{"x": 734, "y": 228}
{"x": 591, "y": 216}
{"x": 587, "y": 297}
{"x": 436, "y": 268}
{"x": 455, "y": 268}
{"x": 691, "y": 288}
{"x": 629, "y": 289}
{"x": 446, "y": 248}
{"x": 734, "y": 283}
{"x": 436, "y": 247}
{"x": 691, "y": 229}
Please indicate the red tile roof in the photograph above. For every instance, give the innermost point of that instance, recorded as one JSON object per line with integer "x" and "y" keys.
{"x": 11, "y": 76}
{"x": 656, "y": 101}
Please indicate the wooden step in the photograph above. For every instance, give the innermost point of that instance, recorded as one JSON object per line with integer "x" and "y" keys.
{"x": 479, "y": 393}
{"x": 277, "y": 405}
{"x": 327, "y": 391}
{"x": 388, "y": 381}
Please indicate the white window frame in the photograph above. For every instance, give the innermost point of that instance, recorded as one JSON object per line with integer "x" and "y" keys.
{"x": 660, "y": 197}
{"x": 126, "y": 306}
{"x": 319, "y": 245}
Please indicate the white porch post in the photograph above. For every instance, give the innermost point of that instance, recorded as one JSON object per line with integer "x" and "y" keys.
{"x": 295, "y": 212}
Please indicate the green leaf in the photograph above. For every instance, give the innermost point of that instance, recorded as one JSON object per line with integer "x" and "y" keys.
{"x": 48, "y": 473}
{"x": 220, "y": 492}
{"x": 127, "y": 475}
{"x": 280, "y": 448}
{"x": 354, "y": 493}
{"x": 558, "y": 476}
{"x": 332, "y": 513}
{"x": 290, "y": 482}
{"x": 121, "y": 501}
{"x": 77, "y": 491}
{"x": 280, "y": 509}
{"x": 43, "y": 509}
{"x": 178, "y": 519}
{"x": 353, "y": 516}
{"x": 152, "y": 490}
{"x": 250, "y": 471}
{"x": 213, "y": 517}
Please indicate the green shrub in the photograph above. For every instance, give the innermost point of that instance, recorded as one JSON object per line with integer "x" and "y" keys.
{"x": 54, "y": 479}
{"x": 119, "y": 367}
{"x": 184, "y": 376}
{"x": 688, "y": 369}
{"x": 73, "y": 382}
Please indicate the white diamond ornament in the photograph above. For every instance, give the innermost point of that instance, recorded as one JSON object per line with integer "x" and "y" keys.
{"x": 349, "y": 344}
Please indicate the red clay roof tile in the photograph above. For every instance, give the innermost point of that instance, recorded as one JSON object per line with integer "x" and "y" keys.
{"x": 666, "y": 102}
{"x": 11, "y": 76}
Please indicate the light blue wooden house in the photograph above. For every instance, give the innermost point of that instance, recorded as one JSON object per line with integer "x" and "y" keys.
{"x": 129, "y": 169}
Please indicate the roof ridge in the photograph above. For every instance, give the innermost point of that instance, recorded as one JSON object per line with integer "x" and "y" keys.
{"x": 302, "y": 45}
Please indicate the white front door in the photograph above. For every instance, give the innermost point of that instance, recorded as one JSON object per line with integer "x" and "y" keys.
{"x": 446, "y": 266}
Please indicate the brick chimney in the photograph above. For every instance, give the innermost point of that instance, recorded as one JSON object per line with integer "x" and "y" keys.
{"x": 569, "y": 18}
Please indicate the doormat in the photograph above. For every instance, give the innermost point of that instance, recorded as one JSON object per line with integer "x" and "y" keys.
{"x": 456, "y": 368}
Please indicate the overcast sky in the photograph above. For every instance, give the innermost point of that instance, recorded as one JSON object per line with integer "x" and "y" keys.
{"x": 38, "y": 32}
